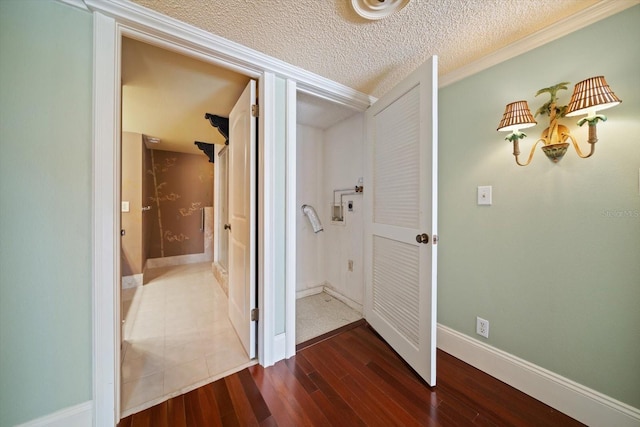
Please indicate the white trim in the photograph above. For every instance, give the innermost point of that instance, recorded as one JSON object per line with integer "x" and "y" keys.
{"x": 279, "y": 347}
{"x": 231, "y": 55}
{"x": 566, "y": 26}
{"x": 266, "y": 245}
{"x": 582, "y": 403}
{"x": 74, "y": 416}
{"x": 132, "y": 281}
{"x": 291, "y": 178}
{"x": 106, "y": 220}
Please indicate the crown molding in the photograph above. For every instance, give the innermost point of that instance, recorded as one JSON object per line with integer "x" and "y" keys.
{"x": 586, "y": 17}
{"x": 145, "y": 24}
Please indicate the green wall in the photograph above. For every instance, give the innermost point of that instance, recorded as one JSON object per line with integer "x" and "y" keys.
{"x": 554, "y": 264}
{"x": 45, "y": 208}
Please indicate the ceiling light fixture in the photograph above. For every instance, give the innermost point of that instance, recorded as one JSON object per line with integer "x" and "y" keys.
{"x": 377, "y": 9}
{"x": 588, "y": 97}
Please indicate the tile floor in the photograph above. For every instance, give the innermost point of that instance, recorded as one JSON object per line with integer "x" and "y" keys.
{"x": 177, "y": 336}
{"x": 321, "y": 313}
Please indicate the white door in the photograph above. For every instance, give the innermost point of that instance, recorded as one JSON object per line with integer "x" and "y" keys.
{"x": 401, "y": 205}
{"x": 242, "y": 218}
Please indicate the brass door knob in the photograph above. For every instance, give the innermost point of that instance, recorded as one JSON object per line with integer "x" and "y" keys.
{"x": 422, "y": 238}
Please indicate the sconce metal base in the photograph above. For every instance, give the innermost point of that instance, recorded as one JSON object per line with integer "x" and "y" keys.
{"x": 555, "y": 152}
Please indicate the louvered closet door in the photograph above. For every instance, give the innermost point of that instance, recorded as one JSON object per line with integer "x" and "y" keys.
{"x": 401, "y": 206}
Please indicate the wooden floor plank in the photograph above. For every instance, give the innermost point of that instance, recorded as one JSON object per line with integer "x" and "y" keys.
{"x": 380, "y": 393}
{"x": 228, "y": 416}
{"x": 141, "y": 419}
{"x": 256, "y": 400}
{"x": 352, "y": 379}
{"x": 300, "y": 373}
{"x": 287, "y": 384}
{"x": 176, "y": 416}
{"x": 241, "y": 405}
{"x": 159, "y": 416}
{"x": 279, "y": 410}
{"x": 344, "y": 386}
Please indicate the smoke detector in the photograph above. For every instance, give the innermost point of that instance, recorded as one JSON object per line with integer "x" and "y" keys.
{"x": 377, "y": 9}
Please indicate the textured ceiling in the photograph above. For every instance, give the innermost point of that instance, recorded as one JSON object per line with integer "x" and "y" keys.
{"x": 328, "y": 38}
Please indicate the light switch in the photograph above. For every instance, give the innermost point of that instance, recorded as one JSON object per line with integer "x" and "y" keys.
{"x": 484, "y": 195}
{"x": 125, "y": 206}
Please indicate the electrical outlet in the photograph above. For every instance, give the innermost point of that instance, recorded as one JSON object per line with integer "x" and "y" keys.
{"x": 482, "y": 327}
{"x": 350, "y": 265}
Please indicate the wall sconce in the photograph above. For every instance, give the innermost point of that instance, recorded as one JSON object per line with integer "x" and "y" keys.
{"x": 588, "y": 97}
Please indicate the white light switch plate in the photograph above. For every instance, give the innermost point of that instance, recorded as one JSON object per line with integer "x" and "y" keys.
{"x": 484, "y": 195}
{"x": 125, "y": 206}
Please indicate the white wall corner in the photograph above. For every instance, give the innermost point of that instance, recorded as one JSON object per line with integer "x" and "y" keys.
{"x": 80, "y": 415}
{"x": 582, "y": 403}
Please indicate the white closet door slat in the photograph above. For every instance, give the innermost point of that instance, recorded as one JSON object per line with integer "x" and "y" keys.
{"x": 397, "y": 163}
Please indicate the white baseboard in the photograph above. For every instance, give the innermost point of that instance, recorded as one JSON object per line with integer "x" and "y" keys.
{"x": 133, "y": 281}
{"x": 280, "y": 347}
{"x": 326, "y": 287}
{"x": 309, "y": 291}
{"x": 582, "y": 403}
{"x": 351, "y": 303}
{"x": 74, "y": 416}
{"x": 170, "y": 261}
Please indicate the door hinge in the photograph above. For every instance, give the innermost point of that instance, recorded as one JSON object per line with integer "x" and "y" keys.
{"x": 255, "y": 110}
{"x": 255, "y": 314}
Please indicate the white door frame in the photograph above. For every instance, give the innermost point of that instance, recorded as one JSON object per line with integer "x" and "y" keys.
{"x": 114, "y": 19}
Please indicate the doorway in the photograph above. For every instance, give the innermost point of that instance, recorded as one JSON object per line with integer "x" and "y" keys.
{"x": 110, "y": 24}
{"x": 329, "y": 255}
{"x": 176, "y": 332}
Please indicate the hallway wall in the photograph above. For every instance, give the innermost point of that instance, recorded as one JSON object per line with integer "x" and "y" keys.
{"x": 46, "y": 82}
{"x": 554, "y": 263}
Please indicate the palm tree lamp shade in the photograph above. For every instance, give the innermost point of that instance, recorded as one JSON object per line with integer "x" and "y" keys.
{"x": 516, "y": 116}
{"x": 591, "y": 95}
{"x": 588, "y": 97}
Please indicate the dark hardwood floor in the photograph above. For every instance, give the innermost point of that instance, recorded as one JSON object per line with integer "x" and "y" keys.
{"x": 351, "y": 379}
